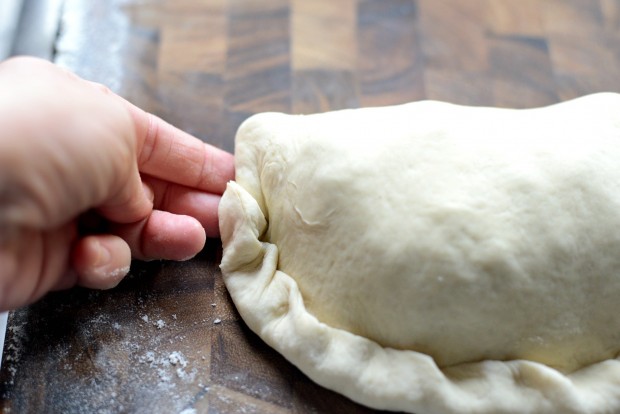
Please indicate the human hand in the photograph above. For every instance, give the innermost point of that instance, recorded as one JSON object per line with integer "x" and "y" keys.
{"x": 71, "y": 151}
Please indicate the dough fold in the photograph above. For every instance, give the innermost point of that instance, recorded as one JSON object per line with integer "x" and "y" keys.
{"x": 434, "y": 258}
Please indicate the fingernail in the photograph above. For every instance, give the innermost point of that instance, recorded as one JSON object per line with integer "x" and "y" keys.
{"x": 104, "y": 266}
{"x": 103, "y": 256}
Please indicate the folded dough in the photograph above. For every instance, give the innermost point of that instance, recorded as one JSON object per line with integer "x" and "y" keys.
{"x": 435, "y": 258}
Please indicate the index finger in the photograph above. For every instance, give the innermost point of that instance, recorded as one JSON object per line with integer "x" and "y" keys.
{"x": 171, "y": 154}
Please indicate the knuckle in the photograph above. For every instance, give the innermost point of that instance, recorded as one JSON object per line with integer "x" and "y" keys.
{"x": 101, "y": 88}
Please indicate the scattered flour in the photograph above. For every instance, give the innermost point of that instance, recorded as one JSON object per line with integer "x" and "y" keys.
{"x": 13, "y": 346}
{"x": 177, "y": 358}
{"x": 170, "y": 365}
{"x": 137, "y": 356}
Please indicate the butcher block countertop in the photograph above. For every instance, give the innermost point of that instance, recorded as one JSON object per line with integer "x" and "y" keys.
{"x": 168, "y": 338}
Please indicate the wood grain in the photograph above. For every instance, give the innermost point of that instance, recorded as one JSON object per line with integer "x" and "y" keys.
{"x": 323, "y": 35}
{"x": 169, "y": 338}
{"x": 391, "y": 60}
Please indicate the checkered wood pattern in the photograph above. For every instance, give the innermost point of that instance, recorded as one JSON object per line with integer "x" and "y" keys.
{"x": 168, "y": 338}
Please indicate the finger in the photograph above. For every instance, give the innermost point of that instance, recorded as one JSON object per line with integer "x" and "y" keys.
{"x": 163, "y": 235}
{"x": 133, "y": 201}
{"x": 101, "y": 261}
{"x": 168, "y": 153}
{"x": 32, "y": 265}
{"x": 56, "y": 253}
{"x": 66, "y": 281}
{"x": 183, "y": 200}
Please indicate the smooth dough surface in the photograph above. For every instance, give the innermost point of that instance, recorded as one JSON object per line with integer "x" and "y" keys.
{"x": 435, "y": 258}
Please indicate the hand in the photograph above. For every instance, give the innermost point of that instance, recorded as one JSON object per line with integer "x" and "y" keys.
{"x": 74, "y": 153}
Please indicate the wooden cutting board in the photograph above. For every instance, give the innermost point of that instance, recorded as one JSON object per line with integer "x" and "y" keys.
{"x": 168, "y": 338}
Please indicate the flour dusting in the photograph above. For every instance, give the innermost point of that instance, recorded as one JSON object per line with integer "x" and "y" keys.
{"x": 138, "y": 358}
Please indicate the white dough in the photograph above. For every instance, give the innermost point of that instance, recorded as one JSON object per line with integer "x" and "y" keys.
{"x": 435, "y": 258}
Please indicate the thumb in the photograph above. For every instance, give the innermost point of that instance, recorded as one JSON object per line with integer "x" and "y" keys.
{"x": 100, "y": 261}
{"x": 131, "y": 203}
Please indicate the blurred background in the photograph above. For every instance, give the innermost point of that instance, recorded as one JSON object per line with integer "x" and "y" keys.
{"x": 168, "y": 339}
{"x": 29, "y": 27}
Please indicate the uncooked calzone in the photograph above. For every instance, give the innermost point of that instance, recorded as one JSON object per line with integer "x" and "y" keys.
{"x": 435, "y": 258}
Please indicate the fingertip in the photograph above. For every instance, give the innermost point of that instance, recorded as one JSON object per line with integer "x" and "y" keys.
{"x": 200, "y": 239}
{"x": 172, "y": 237}
{"x": 226, "y": 169}
{"x": 148, "y": 192}
{"x": 207, "y": 210}
{"x": 101, "y": 261}
{"x": 187, "y": 238}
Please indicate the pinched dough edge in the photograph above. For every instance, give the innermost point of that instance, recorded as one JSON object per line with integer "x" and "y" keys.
{"x": 271, "y": 304}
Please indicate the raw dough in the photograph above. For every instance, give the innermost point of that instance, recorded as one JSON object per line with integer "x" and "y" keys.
{"x": 435, "y": 258}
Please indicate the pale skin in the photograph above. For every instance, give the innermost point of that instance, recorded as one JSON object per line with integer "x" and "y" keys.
{"x": 72, "y": 152}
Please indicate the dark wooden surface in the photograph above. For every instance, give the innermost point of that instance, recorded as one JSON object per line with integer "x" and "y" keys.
{"x": 168, "y": 338}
